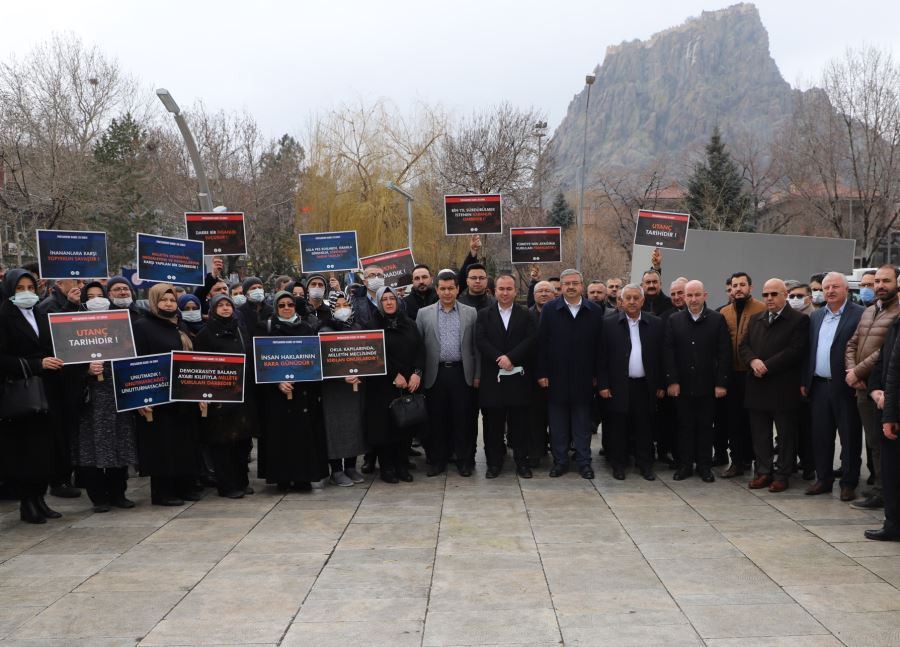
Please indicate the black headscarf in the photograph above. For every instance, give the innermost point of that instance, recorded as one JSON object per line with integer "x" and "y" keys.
{"x": 218, "y": 325}
{"x": 12, "y": 278}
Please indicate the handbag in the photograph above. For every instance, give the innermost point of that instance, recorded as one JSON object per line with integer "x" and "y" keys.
{"x": 409, "y": 410}
{"x": 23, "y": 397}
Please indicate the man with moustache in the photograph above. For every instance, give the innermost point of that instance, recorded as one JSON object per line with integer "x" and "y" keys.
{"x": 613, "y": 286}
{"x": 697, "y": 352}
{"x": 774, "y": 348}
{"x": 544, "y": 292}
{"x": 596, "y": 292}
{"x": 655, "y": 302}
{"x": 422, "y": 293}
{"x": 863, "y": 351}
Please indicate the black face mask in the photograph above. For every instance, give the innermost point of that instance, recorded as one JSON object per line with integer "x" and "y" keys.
{"x": 167, "y": 315}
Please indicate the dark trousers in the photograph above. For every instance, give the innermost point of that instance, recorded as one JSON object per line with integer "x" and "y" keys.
{"x": 538, "y": 421}
{"x": 512, "y": 420}
{"x": 392, "y": 457}
{"x": 665, "y": 428}
{"x": 738, "y": 420}
{"x": 632, "y": 427}
{"x": 890, "y": 480}
{"x": 451, "y": 403}
{"x": 103, "y": 485}
{"x": 695, "y": 430}
{"x": 570, "y": 423}
{"x": 827, "y": 414}
{"x": 230, "y": 464}
{"x": 806, "y": 452}
{"x": 871, "y": 421}
{"x": 170, "y": 487}
{"x": 761, "y": 428}
{"x": 721, "y": 428}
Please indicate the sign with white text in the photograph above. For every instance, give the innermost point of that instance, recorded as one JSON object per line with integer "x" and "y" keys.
{"x": 287, "y": 359}
{"x": 465, "y": 215}
{"x": 535, "y": 244}
{"x": 170, "y": 260}
{"x": 207, "y": 377}
{"x": 397, "y": 266}
{"x": 662, "y": 229}
{"x": 223, "y": 234}
{"x": 71, "y": 254}
{"x": 141, "y": 381}
{"x": 352, "y": 353}
{"x": 81, "y": 337}
{"x": 328, "y": 252}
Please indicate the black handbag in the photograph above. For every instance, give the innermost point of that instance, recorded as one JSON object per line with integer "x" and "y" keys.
{"x": 23, "y": 397}
{"x": 409, "y": 410}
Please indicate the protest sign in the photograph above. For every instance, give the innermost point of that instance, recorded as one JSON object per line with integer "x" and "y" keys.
{"x": 352, "y": 354}
{"x": 473, "y": 214}
{"x": 287, "y": 359}
{"x": 397, "y": 266}
{"x": 141, "y": 381}
{"x": 207, "y": 377}
{"x": 535, "y": 244}
{"x": 222, "y": 234}
{"x": 329, "y": 251}
{"x": 81, "y": 337}
{"x": 661, "y": 229}
{"x": 170, "y": 260}
{"x": 71, "y": 254}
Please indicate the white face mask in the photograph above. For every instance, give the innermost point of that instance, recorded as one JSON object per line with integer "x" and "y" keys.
{"x": 796, "y": 302}
{"x": 317, "y": 294}
{"x": 122, "y": 302}
{"x": 375, "y": 283}
{"x": 291, "y": 320}
{"x": 256, "y": 295}
{"x": 342, "y": 314}
{"x": 25, "y": 300}
{"x": 239, "y": 300}
{"x": 192, "y": 316}
{"x": 97, "y": 303}
{"x": 818, "y": 297}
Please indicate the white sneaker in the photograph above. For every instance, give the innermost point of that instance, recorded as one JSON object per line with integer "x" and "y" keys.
{"x": 355, "y": 476}
{"x": 339, "y": 478}
{"x": 318, "y": 485}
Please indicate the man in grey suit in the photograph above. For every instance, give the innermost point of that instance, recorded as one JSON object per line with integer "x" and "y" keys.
{"x": 452, "y": 373}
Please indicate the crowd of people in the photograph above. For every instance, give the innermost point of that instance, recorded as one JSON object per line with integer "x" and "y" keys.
{"x": 665, "y": 378}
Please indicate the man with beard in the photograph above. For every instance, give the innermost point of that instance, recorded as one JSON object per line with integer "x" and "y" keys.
{"x": 863, "y": 351}
{"x": 596, "y": 292}
{"x": 737, "y": 315}
{"x": 613, "y": 286}
{"x": 655, "y": 302}
{"x": 422, "y": 293}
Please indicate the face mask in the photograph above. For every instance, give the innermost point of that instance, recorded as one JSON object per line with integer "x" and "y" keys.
{"x": 239, "y": 300}
{"x": 818, "y": 297}
{"x": 167, "y": 314}
{"x": 25, "y": 300}
{"x": 317, "y": 294}
{"x": 796, "y": 302}
{"x": 97, "y": 303}
{"x": 191, "y": 316}
{"x": 375, "y": 283}
{"x": 291, "y": 320}
{"x": 256, "y": 295}
{"x": 342, "y": 314}
{"x": 867, "y": 295}
{"x": 122, "y": 302}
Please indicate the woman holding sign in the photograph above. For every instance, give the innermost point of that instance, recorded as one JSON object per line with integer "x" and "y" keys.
{"x": 405, "y": 354}
{"x": 226, "y": 429}
{"x": 29, "y": 457}
{"x": 167, "y": 433}
{"x": 292, "y": 449}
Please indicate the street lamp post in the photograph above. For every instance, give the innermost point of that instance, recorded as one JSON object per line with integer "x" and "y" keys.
{"x": 204, "y": 194}
{"x": 540, "y": 131}
{"x": 579, "y": 242}
{"x": 409, "y": 212}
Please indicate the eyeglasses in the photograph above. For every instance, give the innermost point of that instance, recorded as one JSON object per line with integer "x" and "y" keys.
{"x": 286, "y": 305}
{"x": 770, "y": 294}
{"x": 379, "y": 275}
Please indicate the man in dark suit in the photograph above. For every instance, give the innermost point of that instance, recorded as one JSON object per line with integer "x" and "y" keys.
{"x": 774, "y": 349}
{"x": 832, "y": 401}
{"x": 568, "y": 341}
{"x": 630, "y": 379}
{"x": 697, "y": 352}
{"x": 505, "y": 334}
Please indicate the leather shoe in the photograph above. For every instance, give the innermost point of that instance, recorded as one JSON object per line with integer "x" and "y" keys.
{"x": 389, "y": 476}
{"x": 761, "y": 481}
{"x": 648, "y": 474}
{"x": 45, "y": 509}
{"x": 618, "y": 473}
{"x": 707, "y": 476}
{"x": 847, "y": 493}
{"x": 101, "y": 507}
{"x": 882, "y": 534}
{"x": 405, "y": 476}
{"x": 731, "y": 472}
{"x": 29, "y": 512}
{"x": 122, "y": 502}
{"x": 872, "y": 503}
{"x": 818, "y": 488}
{"x": 65, "y": 491}
{"x": 558, "y": 470}
{"x": 169, "y": 501}
{"x": 492, "y": 472}
{"x": 434, "y": 470}
{"x": 368, "y": 467}
{"x": 586, "y": 472}
{"x": 524, "y": 471}
{"x": 464, "y": 470}
{"x": 192, "y": 496}
{"x": 779, "y": 485}
{"x": 682, "y": 473}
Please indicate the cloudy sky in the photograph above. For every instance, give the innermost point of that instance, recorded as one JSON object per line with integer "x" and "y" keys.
{"x": 284, "y": 62}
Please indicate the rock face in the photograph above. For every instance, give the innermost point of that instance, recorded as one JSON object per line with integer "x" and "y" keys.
{"x": 662, "y": 97}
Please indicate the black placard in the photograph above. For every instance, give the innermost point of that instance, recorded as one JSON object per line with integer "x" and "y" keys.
{"x": 207, "y": 377}
{"x": 661, "y": 229}
{"x": 465, "y": 215}
{"x": 223, "y": 234}
{"x": 81, "y": 337}
{"x": 535, "y": 244}
{"x": 352, "y": 354}
{"x": 397, "y": 266}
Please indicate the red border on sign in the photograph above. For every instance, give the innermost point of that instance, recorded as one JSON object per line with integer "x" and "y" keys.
{"x": 351, "y": 336}
{"x": 664, "y": 215}
{"x": 216, "y": 359}
{"x": 112, "y": 315}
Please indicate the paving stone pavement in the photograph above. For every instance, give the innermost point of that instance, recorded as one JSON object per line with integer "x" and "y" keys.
{"x": 456, "y": 561}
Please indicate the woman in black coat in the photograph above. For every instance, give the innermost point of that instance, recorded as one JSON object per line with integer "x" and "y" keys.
{"x": 29, "y": 457}
{"x": 292, "y": 447}
{"x": 167, "y": 433}
{"x": 405, "y": 354}
{"x": 226, "y": 427}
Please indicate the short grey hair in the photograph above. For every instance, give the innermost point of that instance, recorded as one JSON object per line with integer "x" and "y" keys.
{"x": 632, "y": 286}
{"x": 570, "y": 272}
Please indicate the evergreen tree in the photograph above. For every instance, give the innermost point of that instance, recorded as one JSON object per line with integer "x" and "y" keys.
{"x": 715, "y": 191}
{"x": 561, "y": 214}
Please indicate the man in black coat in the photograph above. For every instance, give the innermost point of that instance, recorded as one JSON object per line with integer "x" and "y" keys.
{"x": 568, "y": 342}
{"x": 885, "y": 376}
{"x": 422, "y": 293}
{"x": 697, "y": 352}
{"x": 505, "y": 335}
{"x": 630, "y": 379}
{"x": 655, "y": 301}
{"x": 774, "y": 349}
{"x": 832, "y": 401}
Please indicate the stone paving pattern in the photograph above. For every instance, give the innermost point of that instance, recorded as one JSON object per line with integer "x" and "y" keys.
{"x": 456, "y": 561}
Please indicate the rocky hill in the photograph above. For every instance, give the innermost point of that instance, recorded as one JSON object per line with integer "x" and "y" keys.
{"x": 661, "y": 98}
